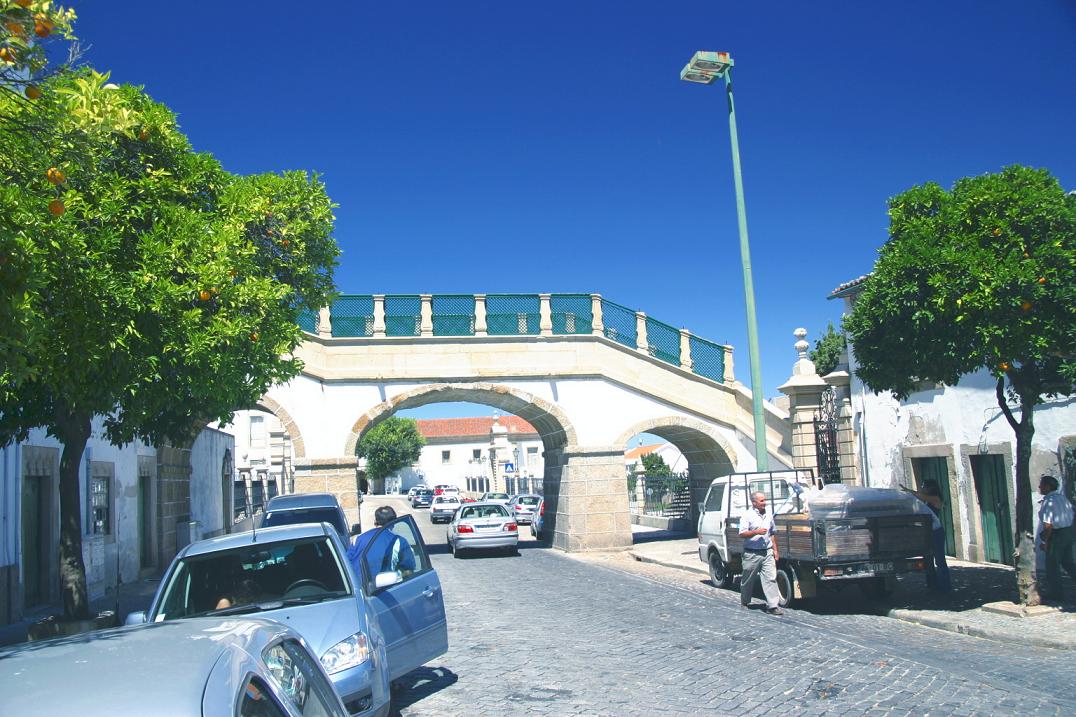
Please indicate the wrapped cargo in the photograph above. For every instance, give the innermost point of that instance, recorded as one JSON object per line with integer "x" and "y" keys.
{"x": 837, "y": 501}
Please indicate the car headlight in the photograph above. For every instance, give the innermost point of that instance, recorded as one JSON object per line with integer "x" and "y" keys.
{"x": 347, "y": 653}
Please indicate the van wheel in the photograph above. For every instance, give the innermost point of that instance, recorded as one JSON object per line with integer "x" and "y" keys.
{"x": 720, "y": 575}
{"x": 786, "y": 585}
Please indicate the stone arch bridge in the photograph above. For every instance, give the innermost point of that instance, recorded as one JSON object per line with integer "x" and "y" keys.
{"x": 587, "y": 373}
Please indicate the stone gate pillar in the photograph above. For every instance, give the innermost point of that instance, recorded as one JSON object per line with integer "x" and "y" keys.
{"x": 338, "y": 476}
{"x": 804, "y": 390}
{"x": 591, "y": 499}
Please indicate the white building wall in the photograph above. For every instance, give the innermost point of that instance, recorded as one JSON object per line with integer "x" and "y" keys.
{"x": 207, "y": 481}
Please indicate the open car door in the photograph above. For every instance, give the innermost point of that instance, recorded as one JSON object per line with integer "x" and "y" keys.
{"x": 407, "y": 596}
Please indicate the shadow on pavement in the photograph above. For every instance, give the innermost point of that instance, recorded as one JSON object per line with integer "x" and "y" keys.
{"x": 653, "y": 536}
{"x": 419, "y": 684}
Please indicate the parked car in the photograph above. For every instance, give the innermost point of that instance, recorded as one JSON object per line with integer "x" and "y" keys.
{"x": 443, "y": 507}
{"x": 501, "y": 498}
{"x": 367, "y": 627}
{"x": 309, "y": 508}
{"x": 217, "y": 667}
{"x": 422, "y": 498}
{"x": 483, "y": 525}
{"x": 538, "y": 521}
{"x": 524, "y": 506}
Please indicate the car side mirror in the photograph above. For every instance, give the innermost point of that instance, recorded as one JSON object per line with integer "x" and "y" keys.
{"x": 388, "y": 579}
{"x": 135, "y": 618}
{"x": 356, "y": 528}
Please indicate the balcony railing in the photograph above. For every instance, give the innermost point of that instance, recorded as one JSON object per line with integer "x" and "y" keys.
{"x": 483, "y": 315}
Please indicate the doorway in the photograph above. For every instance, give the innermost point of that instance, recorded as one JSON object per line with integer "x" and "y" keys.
{"x": 991, "y": 487}
{"x": 35, "y": 540}
{"x": 936, "y": 468}
{"x": 145, "y": 521}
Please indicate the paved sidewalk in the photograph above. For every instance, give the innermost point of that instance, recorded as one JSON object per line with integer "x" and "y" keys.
{"x": 133, "y": 597}
{"x": 974, "y": 585}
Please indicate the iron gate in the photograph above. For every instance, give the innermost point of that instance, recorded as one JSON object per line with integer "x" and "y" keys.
{"x": 827, "y": 448}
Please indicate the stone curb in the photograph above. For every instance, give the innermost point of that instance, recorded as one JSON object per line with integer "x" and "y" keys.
{"x": 950, "y": 624}
{"x": 937, "y": 622}
{"x": 669, "y": 564}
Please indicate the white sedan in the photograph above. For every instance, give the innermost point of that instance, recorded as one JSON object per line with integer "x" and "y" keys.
{"x": 443, "y": 507}
{"x": 483, "y": 525}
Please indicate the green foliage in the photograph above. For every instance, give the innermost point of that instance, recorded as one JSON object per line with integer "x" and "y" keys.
{"x": 827, "y": 350}
{"x": 164, "y": 294}
{"x": 25, "y": 33}
{"x": 654, "y": 466}
{"x": 393, "y": 444}
{"x": 982, "y": 276}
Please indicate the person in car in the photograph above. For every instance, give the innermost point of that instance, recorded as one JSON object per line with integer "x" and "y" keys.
{"x": 388, "y": 553}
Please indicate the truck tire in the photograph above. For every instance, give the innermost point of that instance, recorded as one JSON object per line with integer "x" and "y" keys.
{"x": 877, "y": 588}
{"x": 786, "y": 585}
{"x": 720, "y": 575}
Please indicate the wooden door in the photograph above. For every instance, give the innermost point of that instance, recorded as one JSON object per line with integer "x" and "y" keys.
{"x": 991, "y": 487}
{"x": 937, "y": 470}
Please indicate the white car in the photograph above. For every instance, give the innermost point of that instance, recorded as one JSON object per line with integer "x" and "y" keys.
{"x": 501, "y": 498}
{"x": 443, "y": 508}
{"x": 483, "y": 525}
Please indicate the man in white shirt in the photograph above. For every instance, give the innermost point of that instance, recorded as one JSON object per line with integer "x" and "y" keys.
{"x": 1056, "y": 537}
{"x": 759, "y": 555}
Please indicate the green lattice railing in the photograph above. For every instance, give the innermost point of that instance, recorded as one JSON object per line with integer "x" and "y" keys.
{"x": 707, "y": 359}
{"x": 662, "y": 341}
{"x": 619, "y": 323}
{"x": 453, "y": 314}
{"x": 353, "y": 315}
{"x": 512, "y": 314}
{"x": 571, "y": 313}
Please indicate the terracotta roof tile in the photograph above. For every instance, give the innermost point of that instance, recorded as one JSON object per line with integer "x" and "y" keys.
{"x": 475, "y": 426}
{"x": 641, "y": 451}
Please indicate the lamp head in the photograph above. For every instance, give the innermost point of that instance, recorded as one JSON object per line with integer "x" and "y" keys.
{"x": 705, "y": 67}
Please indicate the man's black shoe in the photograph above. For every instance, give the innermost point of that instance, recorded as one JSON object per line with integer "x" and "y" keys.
{"x": 775, "y": 611}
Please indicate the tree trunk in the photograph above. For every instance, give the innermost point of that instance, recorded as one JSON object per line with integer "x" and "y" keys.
{"x": 74, "y": 431}
{"x": 1024, "y": 558}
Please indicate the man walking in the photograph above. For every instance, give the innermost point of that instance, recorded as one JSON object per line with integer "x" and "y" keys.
{"x": 1056, "y": 536}
{"x": 759, "y": 555}
{"x": 388, "y": 552}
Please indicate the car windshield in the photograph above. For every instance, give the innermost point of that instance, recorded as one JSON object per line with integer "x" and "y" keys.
{"x": 496, "y": 496}
{"x": 254, "y": 577}
{"x": 528, "y": 500}
{"x": 483, "y": 511}
{"x": 441, "y": 499}
{"x": 304, "y": 515}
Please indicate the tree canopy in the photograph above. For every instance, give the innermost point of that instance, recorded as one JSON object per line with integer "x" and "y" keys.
{"x": 393, "y": 444}
{"x": 826, "y": 354}
{"x": 979, "y": 277}
{"x": 152, "y": 287}
{"x": 654, "y": 466}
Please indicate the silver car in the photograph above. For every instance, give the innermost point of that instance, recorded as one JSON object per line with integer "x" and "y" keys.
{"x": 502, "y": 498}
{"x": 224, "y": 667}
{"x": 368, "y": 624}
{"x": 524, "y": 507}
{"x": 443, "y": 508}
{"x": 483, "y": 525}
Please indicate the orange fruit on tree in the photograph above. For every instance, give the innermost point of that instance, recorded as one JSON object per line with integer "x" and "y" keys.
{"x": 253, "y": 335}
{"x": 7, "y": 55}
{"x": 32, "y": 92}
{"x": 143, "y": 134}
{"x": 1004, "y": 366}
{"x": 42, "y": 25}
{"x": 1042, "y": 279}
{"x": 15, "y": 28}
{"x": 204, "y": 295}
{"x": 54, "y": 176}
{"x": 56, "y": 207}
{"x": 285, "y": 243}
{"x": 1026, "y": 306}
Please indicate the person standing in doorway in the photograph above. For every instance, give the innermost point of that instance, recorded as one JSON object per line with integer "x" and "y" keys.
{"x": 1055, "y": 536}
{"x": 759, "y": 555}
{"x": 937, "y": 572}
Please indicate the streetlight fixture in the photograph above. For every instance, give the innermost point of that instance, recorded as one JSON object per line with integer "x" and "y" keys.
{"x": 706, "y": 68}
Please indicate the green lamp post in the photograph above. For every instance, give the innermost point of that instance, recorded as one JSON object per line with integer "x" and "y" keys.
{"x": 705, "y": 68}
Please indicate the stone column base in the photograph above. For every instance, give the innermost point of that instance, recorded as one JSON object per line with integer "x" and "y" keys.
{"x": 592, "y": 501}
{"x": 338, "y": 476}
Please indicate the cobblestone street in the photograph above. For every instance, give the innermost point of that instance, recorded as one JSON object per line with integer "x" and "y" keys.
{"x": 553, "y": 634}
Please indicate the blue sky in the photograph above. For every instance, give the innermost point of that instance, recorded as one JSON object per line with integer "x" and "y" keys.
{"x": 509, "y": 146}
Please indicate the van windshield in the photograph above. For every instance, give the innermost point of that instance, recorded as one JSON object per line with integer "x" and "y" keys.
{"x": 287, "y": 571}
{"x": 293, "y": 516}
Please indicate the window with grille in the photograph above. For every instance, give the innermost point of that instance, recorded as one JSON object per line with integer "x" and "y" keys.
{"x": 446, "y": 456}
{"x": 476, "y": 454}
{"x": 101, "y": 501}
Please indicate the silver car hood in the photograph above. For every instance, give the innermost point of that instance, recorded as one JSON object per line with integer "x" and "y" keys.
{"x": 323, "y": 624}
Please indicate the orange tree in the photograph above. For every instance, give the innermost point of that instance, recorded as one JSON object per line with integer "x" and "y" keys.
{"x": 163, "y": 292}
{"x": 26, "y": 28}
{"x": 981, "y": 277}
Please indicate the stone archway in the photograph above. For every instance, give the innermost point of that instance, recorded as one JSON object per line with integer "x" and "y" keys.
{"x": 298, "y": 445}
{"x": 708, "y": 453}
{"x": 548, "y": 419}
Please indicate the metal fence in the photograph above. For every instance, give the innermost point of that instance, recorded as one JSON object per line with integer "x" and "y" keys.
{"x": 663, "y": 496}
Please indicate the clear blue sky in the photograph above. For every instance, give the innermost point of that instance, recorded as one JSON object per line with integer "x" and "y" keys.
{"x": 550, "y": 146}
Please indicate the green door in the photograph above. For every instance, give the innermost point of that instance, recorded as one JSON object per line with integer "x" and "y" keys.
{"x": 35, "y": 526}
{"x": 991, "y": 486}
{"x": 937, "y": 470}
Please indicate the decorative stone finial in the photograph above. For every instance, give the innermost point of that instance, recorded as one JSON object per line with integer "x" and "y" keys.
{"x": 801, "y": 344}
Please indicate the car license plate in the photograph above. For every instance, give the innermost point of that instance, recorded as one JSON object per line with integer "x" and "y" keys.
{"x": 881, "y": 567}
{"x": 487, "y": 527}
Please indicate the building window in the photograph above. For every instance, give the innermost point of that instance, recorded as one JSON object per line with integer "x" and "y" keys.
{"x": 257, "y": 431}
{"x": 101, "y": 490}
{"x": 476, "y": 454}
{"x": 446, "y": 456}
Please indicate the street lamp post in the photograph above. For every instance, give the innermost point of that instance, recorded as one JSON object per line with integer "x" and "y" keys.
{"x": 705, "y": 68}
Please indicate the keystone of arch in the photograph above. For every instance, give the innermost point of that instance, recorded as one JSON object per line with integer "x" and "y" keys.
{"x": 698, "y": 441}
{"x": 298, "y": 445}
{"x": 547, "y": 418}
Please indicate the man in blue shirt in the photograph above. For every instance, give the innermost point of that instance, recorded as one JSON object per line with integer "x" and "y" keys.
{"x": 388, "y": 552}
{"x": 759, "y": 555}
